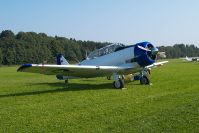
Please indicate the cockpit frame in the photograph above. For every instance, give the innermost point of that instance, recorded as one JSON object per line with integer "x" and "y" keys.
{"x": 106, "y": 50}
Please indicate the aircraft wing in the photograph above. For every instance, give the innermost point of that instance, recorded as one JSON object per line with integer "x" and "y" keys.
{"x": 85, "y": 71}
{"x": 194, "y": 57}
{"x": 157, "y": 64}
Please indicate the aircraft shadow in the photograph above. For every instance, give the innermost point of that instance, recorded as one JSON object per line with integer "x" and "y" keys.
{"x": 61, "y": 87}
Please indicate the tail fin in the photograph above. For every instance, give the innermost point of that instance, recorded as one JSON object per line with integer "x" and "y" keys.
{"x": 61, "y": 60}
{"x": 188, "y": 59}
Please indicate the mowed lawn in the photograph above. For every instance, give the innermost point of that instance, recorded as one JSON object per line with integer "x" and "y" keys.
{"x": 39, "y": 103}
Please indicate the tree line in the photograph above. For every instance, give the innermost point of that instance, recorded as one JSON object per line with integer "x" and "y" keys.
{"x": 180, "y": 50}
{"x": 31, "y": 47}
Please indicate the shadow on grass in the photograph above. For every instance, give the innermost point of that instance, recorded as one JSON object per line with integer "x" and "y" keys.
{"x": 61, "y": 87}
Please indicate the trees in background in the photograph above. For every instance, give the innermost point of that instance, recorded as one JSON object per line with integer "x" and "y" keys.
{"x": 1, "y": 57}
{"x": 31, "y": 47}
{"x": 180, "y": 50}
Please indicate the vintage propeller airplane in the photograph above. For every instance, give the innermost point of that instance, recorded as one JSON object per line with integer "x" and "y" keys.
{"x": 115, "y": 60}
{"x": 191, "y": 59}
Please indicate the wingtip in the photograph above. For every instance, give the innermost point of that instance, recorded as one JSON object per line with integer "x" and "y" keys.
{"x": 22, "y": 67}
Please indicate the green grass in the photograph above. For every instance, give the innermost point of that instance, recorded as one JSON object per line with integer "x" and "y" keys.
{"x": 39, "y": 103}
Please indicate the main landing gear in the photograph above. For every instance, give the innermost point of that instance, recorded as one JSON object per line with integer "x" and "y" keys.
{"x": 119, "y": 84}
{"x": 118, "y": 81}
{"x": 144, "y": 78}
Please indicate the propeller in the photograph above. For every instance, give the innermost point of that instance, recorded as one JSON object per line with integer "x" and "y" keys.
{"x": 143, "y": 48}
{"x": 154, "y": 51}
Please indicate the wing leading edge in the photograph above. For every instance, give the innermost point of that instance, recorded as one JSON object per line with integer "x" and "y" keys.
{"x": 83, "y": 71}
{"x": 73, "y": 70}
{"x": 157, "y": 64}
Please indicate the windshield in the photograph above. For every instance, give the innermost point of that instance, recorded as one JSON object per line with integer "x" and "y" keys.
{"x": 105, "y": 50}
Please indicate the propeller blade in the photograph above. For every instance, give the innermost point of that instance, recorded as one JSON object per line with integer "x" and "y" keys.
{"x": 143, "y": 48}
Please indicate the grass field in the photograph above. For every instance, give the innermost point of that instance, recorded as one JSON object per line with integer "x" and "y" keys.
{"x": 39, "y": 103}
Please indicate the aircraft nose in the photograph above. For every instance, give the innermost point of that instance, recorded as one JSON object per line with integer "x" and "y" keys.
{"x": 144, "y": 51}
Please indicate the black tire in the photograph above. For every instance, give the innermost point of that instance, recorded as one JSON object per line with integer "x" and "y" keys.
{"x": 144, "y": 80}
{"x": 66, "y": 81}
{"x": 118, "y": 84}
{"x": 108, "y": 77}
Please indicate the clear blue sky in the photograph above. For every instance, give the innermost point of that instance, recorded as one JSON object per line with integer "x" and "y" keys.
{"x": 161, "y": 22}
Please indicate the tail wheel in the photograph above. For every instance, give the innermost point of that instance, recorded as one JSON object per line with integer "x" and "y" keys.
{"x": 144, "y": 80}
{"x": 118, "y": 84}
{"x": 108, "y": 77}
{"x": 66, "y": 81}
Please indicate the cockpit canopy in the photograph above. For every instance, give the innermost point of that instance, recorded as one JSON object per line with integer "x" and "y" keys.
{"x": 105, "y": 50}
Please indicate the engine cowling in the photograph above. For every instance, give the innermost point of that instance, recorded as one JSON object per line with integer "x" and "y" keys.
{"x": 143, "y": 57}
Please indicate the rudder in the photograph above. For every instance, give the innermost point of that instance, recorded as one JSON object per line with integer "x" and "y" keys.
{"x": 61, "y": 60}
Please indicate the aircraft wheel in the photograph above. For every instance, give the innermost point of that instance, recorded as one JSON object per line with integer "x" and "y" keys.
{"x": 108, "y": 77}
{"x": 118, "y": 84}
{"x": 66, "y": 81}
{"x": 144, "y": 80}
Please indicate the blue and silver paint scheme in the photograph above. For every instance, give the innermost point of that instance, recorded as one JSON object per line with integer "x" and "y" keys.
{"x": 128, "y": 54}
{"x": 121, "y": 60}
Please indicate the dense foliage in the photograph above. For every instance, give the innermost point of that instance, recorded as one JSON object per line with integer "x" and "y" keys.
{"x": 31, "y": 47}
{"x": 180, "y": 50}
